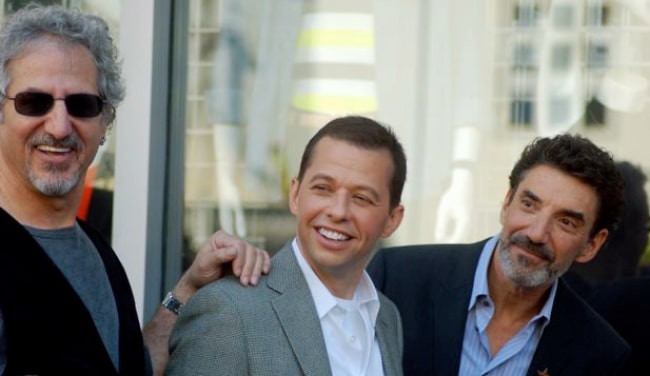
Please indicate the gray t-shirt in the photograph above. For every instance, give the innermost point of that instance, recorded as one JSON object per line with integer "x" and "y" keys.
{"x": 77, "y": 258}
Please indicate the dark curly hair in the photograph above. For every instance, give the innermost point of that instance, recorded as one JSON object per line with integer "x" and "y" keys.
{"x": 582, "y": 159}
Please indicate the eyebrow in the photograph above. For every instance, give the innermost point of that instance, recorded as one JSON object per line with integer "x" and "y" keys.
{"x": 568, "y": 212}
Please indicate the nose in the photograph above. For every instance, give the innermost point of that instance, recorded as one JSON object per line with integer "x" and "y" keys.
{"x": 338, "y": 208}
{"x": 538, "y": 230}
{"x": 58, "y": 122}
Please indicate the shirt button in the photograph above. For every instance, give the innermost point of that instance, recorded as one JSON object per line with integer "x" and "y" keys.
{"x": 351, "y": 339}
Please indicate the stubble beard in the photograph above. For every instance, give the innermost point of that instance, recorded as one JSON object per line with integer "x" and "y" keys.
{"x": 519, "y": 268}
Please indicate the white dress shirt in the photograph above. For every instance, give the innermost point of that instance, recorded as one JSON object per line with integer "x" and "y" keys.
{"x": 348, "y": 325}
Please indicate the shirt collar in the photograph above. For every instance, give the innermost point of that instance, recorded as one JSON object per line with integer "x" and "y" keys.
{"x": 365, "y": 294}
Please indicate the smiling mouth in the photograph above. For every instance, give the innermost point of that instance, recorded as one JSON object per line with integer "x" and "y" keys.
{"x": 53, "y": 149}
{"x": 332, "y": 235}
{"x": 535, "y": 254}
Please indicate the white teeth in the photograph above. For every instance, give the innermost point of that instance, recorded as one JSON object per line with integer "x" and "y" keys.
{"x": 52, "y": 149}
{"x": 333, "y": 235}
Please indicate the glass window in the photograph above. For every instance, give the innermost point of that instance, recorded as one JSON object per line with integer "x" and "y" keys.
{"x": 464, "y": 84}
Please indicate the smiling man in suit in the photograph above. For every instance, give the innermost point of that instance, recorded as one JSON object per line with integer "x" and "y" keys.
{"x": 317, "y": 312}
{"x": 499, "y": 306}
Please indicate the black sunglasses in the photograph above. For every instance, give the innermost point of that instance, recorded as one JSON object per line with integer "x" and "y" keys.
{"x": 38, "y": 104}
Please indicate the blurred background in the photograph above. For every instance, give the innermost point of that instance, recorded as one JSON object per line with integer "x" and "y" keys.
{"x": 229, "y": 91}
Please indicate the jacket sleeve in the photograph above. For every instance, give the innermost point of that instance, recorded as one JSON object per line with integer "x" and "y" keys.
{"x": 207, "y": 338}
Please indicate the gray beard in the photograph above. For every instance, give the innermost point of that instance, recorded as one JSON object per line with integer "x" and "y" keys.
{"x": 54, "y": 186}
{"x": 525, "y": 278}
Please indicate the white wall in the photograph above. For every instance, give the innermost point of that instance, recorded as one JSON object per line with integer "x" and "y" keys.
{"x": 132, "y": 134}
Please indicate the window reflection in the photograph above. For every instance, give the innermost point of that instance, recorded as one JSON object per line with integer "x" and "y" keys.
{"x": 465, "y": 86}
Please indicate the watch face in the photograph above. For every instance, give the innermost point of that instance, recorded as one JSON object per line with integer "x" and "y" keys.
{"x": 172, "y": 304}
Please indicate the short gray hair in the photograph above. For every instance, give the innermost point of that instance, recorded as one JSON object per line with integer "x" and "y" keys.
{"x": 35, "y": 22}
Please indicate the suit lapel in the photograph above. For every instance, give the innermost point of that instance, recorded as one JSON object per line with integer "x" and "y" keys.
{"x": 558, "y": 335}
{"x": 450, "y": 310}
{"x": 297, "y": 314}
{"x": 388, "y": 347}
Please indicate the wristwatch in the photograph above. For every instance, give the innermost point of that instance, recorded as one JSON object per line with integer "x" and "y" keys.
{"x": 172, "y": 303}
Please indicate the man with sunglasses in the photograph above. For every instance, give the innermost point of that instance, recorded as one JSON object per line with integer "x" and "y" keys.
{"x": 66, "y": 306}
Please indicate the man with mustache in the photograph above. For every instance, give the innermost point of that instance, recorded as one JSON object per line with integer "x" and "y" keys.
{"x": 66, "y": 306}
{"x": 499, "y": 306}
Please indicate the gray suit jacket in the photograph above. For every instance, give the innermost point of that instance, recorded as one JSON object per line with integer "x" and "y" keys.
{"x": 272, "y": 329}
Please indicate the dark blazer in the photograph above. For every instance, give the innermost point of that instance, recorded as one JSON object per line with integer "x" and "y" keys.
{"x": 625, "y": 304}
{"x": 271, "y": 329}
{"x": 431, "y": 286}
{"x": 48, "y": 329}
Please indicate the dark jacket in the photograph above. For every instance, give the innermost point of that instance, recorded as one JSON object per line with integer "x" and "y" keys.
{"x": 48, "y": 329}
{"x": 431, "y": 286}
{"x": 625, "y": 304}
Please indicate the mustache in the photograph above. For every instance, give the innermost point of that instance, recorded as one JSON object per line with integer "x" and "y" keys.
{"x": 71, "y": 141}
{"x": 540, "y": 250}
